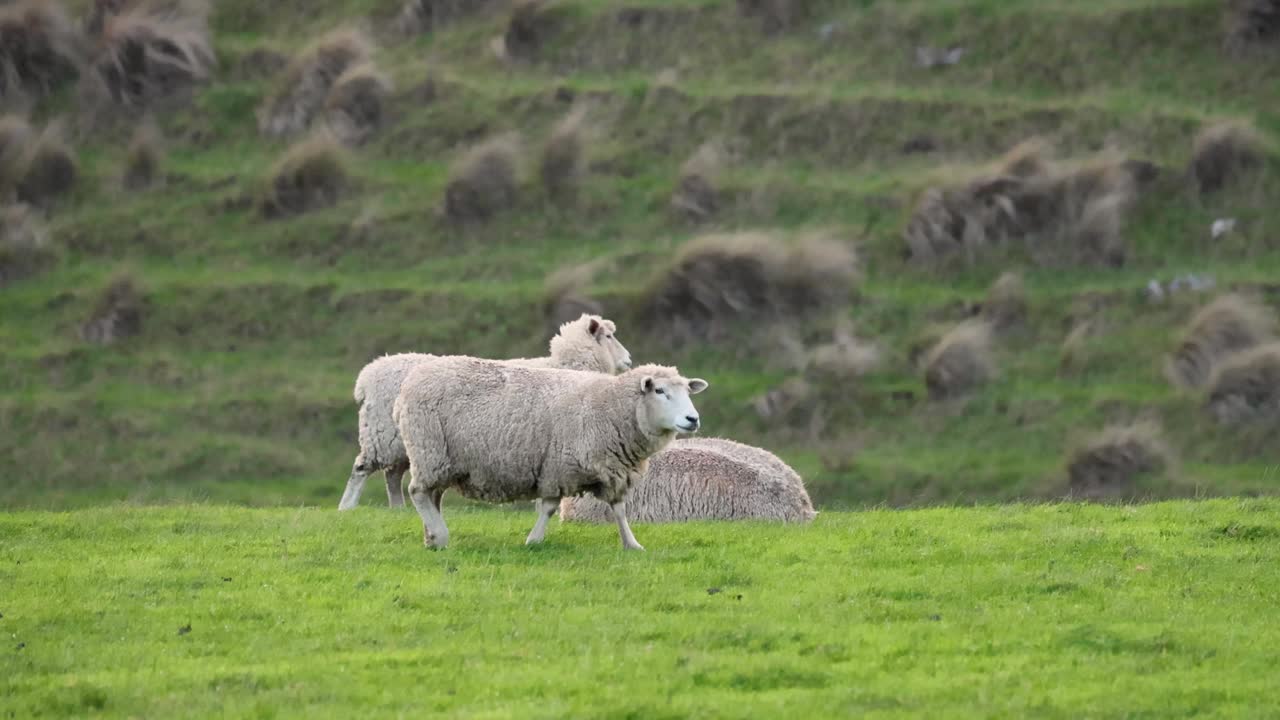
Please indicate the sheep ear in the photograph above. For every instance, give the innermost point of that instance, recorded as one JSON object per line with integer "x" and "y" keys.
{"x": 593, "y": 327}
{"x": 646, "y": 384}
{"x": 697, "y": 385}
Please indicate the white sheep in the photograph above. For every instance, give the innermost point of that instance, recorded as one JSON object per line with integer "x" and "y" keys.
{"x": 589, "y": 343}
{"x": 501, "y": 433}
{"x": 706, "y": 479}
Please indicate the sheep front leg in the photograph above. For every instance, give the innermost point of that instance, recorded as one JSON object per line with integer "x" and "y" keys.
{"x": 624, "y": 529}
{"x": 546, "y": 508}
{"x": 395, "y": 490}
{"x": 435, "y": 534}
{"x": 360, "y": 471}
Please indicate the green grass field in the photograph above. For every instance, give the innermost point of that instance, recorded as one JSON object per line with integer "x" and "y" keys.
{"x": 169, "y": 540}
{"x": 1163, "y": 610}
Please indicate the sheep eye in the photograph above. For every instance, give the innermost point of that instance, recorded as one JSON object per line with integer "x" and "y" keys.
{"x": 660, "y": 391}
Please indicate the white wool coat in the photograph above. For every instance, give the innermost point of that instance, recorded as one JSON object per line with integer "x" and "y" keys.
{"x": 706, "y": 479}
{"x": 500, "y": 433}
{"x": 378, "y": 386}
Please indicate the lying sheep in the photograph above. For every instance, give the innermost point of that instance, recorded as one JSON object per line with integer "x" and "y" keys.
{"x": 588, "y": 343}
{"x": 500, "y": 433}
{"x": 706, "y": 479}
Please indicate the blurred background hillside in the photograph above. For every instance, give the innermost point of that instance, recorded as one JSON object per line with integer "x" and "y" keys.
{"x": 926, "y": 251}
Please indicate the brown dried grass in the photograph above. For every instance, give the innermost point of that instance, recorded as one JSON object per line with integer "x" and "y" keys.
{"x": 1229, "y": 324}
{"x": 303, "y": 87}
{"x": 313, "y": 173}
{"x": 154, "y": 50}
{"x": 1107, "y": 464}
{"x": 484, "y": 180}
{"x": 718, "y": 281}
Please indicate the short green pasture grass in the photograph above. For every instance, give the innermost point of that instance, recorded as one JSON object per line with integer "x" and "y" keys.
{"x": 1160, "y": 610}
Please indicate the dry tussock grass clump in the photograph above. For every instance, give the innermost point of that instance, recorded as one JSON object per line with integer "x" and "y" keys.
{"x": 154, "y": 49}
{"x": 422, "y": 16}
{"x": 484, "y": 180}
{"x": 1109, "y": 463}
{"x": 961, "y": 361}
{"x": 99, "y": 13}
{"x": 46, "y": 169}
{"x": 775, "y": 15}
{"x": 1253, "y": 24}
{"x": 829, "y": 380}
{"x": 529, "y": 25}
{"x": 304, "y": 87}
{"x": 696, "y": 196}
{"x": 143, "y": 157}
{"x": 15, "y": 137}
{"x": 1030, "y": 158}
{"x": 1246, "y": 387}
{"x": 564, "y": 156}
{"x": 924, "y": 339}
{"x": 356, "y": 105}
{"x": 1230, "y": 324}
{"x": 1062, "y": 213}
{"x": 24, "y": 245}
{"x": 39, "y": 48}
{"x": 717, "y": 281}
{"x": 844, "y": 362}
{"x": 312, "y": 174}
{"x": 1225, "y": 153}
{"x": 1005, "y": 306}
{"x": 117, "y": 314}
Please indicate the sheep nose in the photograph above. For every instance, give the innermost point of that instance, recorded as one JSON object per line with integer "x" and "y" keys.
{"x": 692, "y": 420}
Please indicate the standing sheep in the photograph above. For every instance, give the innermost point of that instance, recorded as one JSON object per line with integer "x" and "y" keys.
{"x": 500, "y": 433}
{"x": 588, "y": 343}
{"x": 706, "y": 479}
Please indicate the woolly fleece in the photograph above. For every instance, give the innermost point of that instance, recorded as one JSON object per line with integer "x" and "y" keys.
{"x": 706, "y": 479}
{"x": 378, "y": 385}
{"x": 501, "y": 433}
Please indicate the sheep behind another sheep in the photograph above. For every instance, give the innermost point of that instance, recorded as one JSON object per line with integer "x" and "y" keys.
{"x": 588, "y": 343}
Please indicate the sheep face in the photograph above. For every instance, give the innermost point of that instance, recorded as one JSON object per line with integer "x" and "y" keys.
{"x": 665, "y": 407}
{"x": 612, "y": 353}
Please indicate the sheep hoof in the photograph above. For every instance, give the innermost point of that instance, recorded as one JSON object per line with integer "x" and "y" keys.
{"x": 636, "y": 546}
{"x": 432, "y": 543}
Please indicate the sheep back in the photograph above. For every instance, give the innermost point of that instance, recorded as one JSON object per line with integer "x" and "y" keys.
{"x": 706, "y": 479}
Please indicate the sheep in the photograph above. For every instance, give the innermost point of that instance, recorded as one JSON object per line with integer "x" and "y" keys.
{"x": 588, "y": 343}
{"x": 706, "y": 479}
{"x": 497, "y": 432}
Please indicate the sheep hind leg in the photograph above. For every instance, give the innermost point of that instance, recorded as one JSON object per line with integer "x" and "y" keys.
{"x": 629, "y": 541}
{"x": 395, "y": 488}
{"x": 360, "y": 471}
{"x": 546, "y": 508}
{"x": 435, "y": 534}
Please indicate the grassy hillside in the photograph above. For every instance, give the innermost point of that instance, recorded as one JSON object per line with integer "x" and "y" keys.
{"x": 1153, "y": 611}
{"x": 236, "y": 385}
